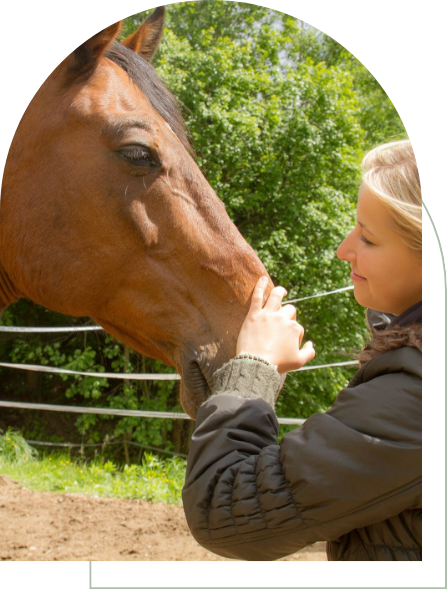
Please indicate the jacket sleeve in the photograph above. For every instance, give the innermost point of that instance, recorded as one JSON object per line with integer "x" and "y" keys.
{"x": 247, "y": 497}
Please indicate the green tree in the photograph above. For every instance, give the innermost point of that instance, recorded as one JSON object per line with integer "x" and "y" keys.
{"x": 279, "y": 135}
{"x": 280, "y": 116}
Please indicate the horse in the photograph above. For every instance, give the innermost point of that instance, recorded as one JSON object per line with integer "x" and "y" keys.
{"x": 105, "y": 213}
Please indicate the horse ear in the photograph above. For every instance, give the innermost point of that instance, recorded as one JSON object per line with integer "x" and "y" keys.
{"x": 147, "y": 37}
{"x": 87, "y": 54}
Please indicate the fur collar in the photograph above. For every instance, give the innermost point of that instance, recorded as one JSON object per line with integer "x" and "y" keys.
{"x": 389, "y": 338}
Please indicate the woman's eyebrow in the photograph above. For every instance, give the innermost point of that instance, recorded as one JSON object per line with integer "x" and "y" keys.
{"x": 363, "y": 226}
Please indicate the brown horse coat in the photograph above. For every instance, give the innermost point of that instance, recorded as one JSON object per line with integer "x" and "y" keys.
{"x": 104, "y": 213}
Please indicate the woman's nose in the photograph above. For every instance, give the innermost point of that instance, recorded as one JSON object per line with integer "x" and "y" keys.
{"x": 345, "y": 251}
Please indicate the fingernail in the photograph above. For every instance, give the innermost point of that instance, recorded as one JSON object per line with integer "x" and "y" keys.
{"x": 264, "y": 281}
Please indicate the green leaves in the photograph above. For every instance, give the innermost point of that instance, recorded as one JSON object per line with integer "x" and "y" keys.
{"x": 280, "y": 116}
{"x": 156, "y": 480}
{"x": 277, "y": 113}
{"x": 14, "y": 448}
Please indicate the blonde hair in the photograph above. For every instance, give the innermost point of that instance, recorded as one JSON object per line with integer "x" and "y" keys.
{"x": 390, "y": 173}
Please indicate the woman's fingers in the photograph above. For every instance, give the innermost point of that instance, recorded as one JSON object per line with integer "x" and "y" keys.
{"x": 274, "y": 301}
{"x": 272, "y": 332}
{"x": 258, "y": 295}
{"x": 307, "y": 352}
{"x": 300, "y": 357}
{"x": 289, "y": 311}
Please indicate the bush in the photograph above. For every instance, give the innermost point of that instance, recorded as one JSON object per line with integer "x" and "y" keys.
{"x": 14, "y": 448}
{"x": 155, "y": 479}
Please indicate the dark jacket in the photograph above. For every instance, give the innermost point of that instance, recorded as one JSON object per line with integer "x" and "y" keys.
{"x": 351, "y": 476}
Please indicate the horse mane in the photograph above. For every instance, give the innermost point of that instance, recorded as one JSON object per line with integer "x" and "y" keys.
{"x": 148, "y": 81}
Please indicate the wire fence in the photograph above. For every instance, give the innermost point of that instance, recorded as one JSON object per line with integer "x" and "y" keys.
{"x": 69, "y": 329}
{"x": 69, "y": 445}
{"x": 129, "y": 376}
{"x": 49, "y": 330}
{"x": 117, "y": 412}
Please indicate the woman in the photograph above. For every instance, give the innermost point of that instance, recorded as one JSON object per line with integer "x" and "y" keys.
{"x": 351, "y": 476}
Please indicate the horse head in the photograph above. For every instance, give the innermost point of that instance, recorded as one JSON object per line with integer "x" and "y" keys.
{"x": 105, "y": 213}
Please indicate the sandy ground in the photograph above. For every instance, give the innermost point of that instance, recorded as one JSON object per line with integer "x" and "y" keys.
{"x": 44, "y": 526}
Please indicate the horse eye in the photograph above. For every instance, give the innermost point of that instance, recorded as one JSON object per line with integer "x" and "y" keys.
{"x": 141, "y": 155}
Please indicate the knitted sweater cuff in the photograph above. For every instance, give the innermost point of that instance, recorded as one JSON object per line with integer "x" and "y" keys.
{"x": 248, "y": 379}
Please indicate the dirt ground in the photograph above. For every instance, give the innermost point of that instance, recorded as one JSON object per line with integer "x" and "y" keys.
{"x": 44, "y": 526}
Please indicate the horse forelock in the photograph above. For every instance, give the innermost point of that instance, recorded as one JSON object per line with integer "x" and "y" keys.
{"x": 146, "y": 78}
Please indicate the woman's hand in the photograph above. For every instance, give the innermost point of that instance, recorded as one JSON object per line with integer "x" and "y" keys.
{"x": 272, "y": 332}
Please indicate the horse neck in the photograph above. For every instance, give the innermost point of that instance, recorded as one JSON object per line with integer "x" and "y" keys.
{"x": 8, "y": 293}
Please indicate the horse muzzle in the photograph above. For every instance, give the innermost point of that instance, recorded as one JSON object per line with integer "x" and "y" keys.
{"x": 197, "y": 383}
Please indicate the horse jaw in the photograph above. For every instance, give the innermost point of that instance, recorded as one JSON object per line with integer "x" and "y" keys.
{"x": 198, "y": 391}
{"x": 101, "y": 258}
{"x": 8, "y": 292}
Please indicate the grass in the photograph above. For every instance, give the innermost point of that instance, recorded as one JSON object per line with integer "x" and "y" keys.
{"x": 156, "y": 480}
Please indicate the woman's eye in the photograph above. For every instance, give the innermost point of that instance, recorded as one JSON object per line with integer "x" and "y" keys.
{"x": 141, "y": 155}
{"x": 366, "y": 240}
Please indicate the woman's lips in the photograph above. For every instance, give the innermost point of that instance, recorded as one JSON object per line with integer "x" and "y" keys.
{"x": 356, "y": 277}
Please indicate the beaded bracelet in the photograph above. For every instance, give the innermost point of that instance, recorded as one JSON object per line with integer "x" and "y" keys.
{"x": 253, "y": 357}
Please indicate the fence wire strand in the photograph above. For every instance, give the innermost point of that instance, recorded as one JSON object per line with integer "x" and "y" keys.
{"x": 116, "y": 412}
{"x": 130, "y": 376}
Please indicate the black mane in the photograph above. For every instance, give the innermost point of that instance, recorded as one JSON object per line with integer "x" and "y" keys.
{"x": 148, "y": 81}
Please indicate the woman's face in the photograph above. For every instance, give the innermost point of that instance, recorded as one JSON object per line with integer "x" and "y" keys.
{"x": 386, "y": 273}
